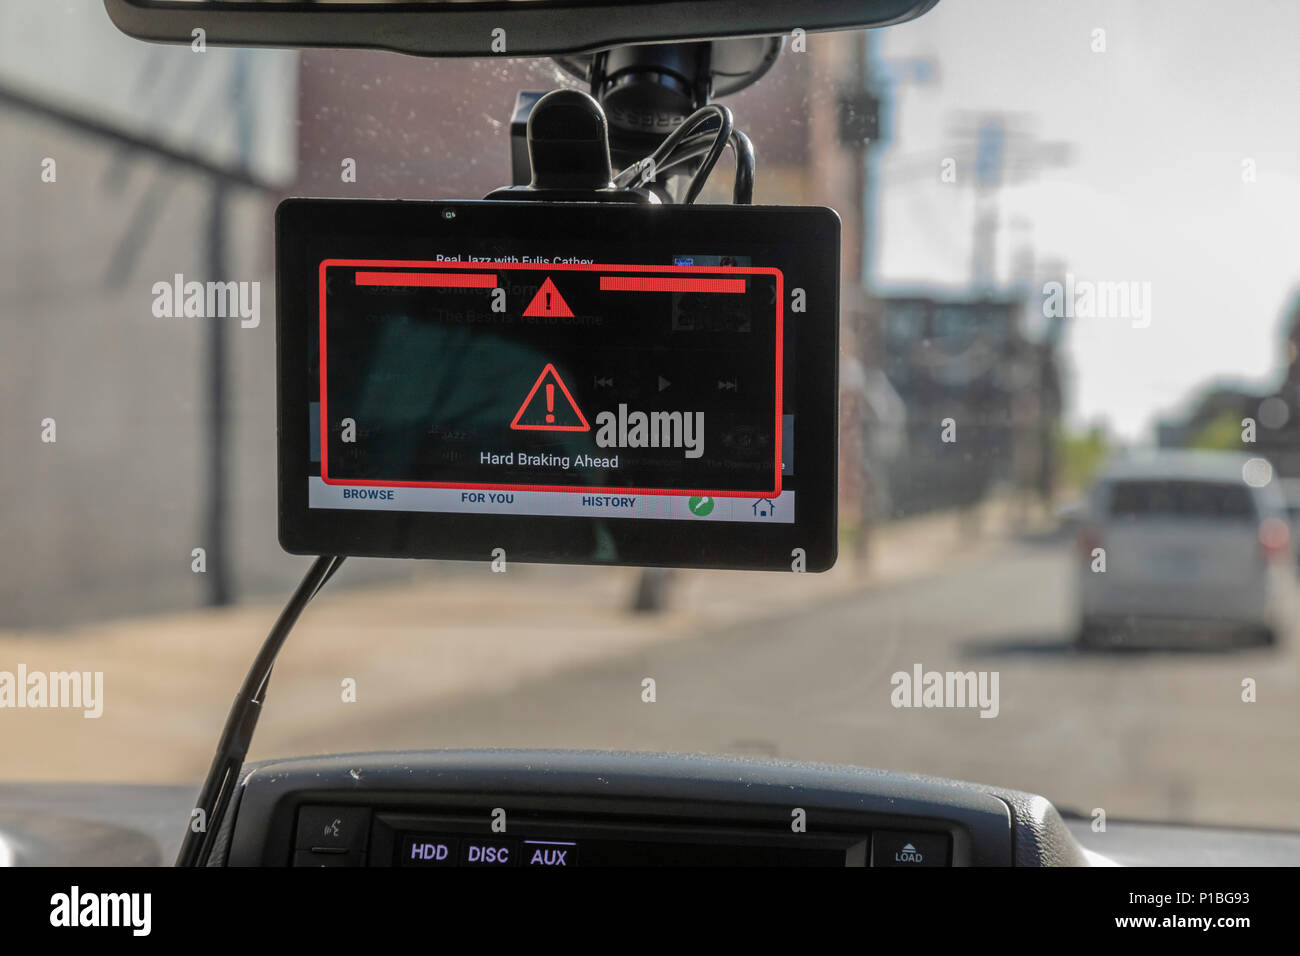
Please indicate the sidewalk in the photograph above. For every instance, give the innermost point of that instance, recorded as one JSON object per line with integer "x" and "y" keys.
{"x": 169, "y": 680}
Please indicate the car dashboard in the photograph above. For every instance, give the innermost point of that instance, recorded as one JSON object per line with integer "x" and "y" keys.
{"x": 562, "y": 809}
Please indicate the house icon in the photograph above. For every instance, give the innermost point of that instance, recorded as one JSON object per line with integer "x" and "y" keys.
{"x": 764, "y": 508}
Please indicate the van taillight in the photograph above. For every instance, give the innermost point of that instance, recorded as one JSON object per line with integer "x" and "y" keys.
{"x": 1274, "y": 539}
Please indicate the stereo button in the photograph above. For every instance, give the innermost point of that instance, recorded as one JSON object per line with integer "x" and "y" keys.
{"x": 478, "y": 852}
{"x": 342, "y": 828}
{"x": 909, "y": 848}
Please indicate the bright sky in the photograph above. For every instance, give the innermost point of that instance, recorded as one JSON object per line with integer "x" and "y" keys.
{"x": 1160, "y": 125}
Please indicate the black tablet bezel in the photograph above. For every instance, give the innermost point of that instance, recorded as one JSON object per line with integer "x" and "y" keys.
{"x": 311, "y": 230}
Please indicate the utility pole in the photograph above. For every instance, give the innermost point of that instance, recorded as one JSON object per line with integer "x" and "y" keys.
{"x": 1002, "y": 150}
{"x": 216, "y": 518}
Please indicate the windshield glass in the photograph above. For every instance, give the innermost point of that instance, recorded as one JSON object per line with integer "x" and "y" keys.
{"x": 1069, "y": 236}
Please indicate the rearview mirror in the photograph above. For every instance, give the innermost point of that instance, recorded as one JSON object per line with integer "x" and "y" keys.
{"x": 490, "y": 27}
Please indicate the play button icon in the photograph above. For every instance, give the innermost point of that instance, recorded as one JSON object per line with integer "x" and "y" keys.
{"x": 663, "y": 383}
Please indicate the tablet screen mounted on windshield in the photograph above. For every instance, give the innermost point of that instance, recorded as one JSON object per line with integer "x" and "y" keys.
{"x": 564, "y": 382}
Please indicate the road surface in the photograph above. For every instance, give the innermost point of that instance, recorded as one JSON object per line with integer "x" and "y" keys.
{"x": 1158, "y": 736}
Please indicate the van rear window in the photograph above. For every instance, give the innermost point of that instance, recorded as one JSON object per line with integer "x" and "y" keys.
{"x": 1180, "y": 499}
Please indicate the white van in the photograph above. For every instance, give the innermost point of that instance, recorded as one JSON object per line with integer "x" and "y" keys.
{"x": 1184, "y": 545}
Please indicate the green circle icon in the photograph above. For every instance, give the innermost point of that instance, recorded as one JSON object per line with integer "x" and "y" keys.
{"x": 700, "y": 506}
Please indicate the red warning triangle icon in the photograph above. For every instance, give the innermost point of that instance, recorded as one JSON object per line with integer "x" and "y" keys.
{"x": 549, "y": 407}
{"x": 549, "y": 302}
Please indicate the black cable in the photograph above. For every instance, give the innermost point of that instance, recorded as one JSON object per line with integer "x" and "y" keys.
{"x": 237, "y": 735}
{"x": 647, "y": 168}
{"x": 742, "y": 192}
{"x": 338, "y": 562}
{"x": 685, "y": 144}
{"x": 691, "y": 124}
{"x": 690, "y": 148}
{"x": 725, "y": 128}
